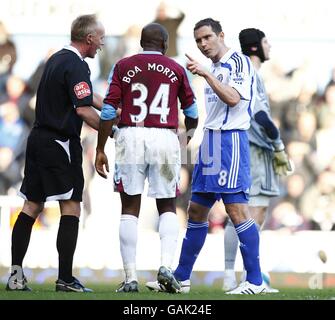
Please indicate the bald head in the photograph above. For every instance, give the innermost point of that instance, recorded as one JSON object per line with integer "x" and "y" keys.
{"x": 154, "y": 37}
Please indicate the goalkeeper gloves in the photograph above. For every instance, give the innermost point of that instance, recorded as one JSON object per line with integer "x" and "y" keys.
{"x": 281, "y": 163}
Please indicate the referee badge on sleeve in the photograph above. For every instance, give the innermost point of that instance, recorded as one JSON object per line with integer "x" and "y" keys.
{"x": 82, "y": 90}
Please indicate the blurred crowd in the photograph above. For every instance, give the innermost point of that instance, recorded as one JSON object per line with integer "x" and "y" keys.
{"x": 304, "y": 112}
{"x": 307, "y": 122}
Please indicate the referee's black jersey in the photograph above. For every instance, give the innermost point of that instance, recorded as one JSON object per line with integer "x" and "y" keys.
{"x": 65, "y": 85}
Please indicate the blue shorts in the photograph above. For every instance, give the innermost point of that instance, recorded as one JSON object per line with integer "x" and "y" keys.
{"x": 223, "y": 165}
{"x": 208, "y": 199}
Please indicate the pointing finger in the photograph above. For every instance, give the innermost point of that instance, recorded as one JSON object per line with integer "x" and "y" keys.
{"x": 189, "y": 57}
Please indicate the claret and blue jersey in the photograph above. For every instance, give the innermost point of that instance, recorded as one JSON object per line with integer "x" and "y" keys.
{"x": 148, "y": 86}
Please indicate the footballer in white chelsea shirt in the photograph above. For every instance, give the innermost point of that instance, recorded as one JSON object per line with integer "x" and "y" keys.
{"x": 236, "y": 70}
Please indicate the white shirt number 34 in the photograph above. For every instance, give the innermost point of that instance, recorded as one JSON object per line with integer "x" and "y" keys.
{"x": 159, "y": 104}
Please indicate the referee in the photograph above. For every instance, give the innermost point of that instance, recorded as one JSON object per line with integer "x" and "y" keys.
{"x": 53, "y": 168}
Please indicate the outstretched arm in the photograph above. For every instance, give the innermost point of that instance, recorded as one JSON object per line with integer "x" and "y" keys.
{"x": 89, "y": 115}
{"x": 97, "y": 101}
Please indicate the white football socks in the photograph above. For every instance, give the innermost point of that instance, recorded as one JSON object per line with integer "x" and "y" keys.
{"x": 128, "y": 242}
{"x": 168, "y": 232}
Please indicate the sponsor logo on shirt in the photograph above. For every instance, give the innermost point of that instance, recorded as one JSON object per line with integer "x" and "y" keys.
{"x": 220, "y": 77}
{"x": 82, "y": 90}
{"x": 238, "y": 77}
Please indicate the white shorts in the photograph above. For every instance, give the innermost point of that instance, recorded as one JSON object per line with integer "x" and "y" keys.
{"x": 152, "y": 153}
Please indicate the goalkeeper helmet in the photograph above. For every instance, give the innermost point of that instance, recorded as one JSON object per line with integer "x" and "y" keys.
{"x": 250, "y": 38}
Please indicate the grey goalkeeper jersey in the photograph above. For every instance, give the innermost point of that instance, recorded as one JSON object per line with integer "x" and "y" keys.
{"x": 256, "y": 133}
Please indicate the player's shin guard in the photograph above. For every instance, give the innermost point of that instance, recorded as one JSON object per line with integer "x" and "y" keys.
{"x": 249, "y": 245}
{"x": 192, "y": 244}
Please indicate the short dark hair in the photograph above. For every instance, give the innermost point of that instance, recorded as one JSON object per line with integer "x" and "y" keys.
{"x": 214, "y": 24}
{"x": 154, "y": 35}
{"x": 82, "y": 26}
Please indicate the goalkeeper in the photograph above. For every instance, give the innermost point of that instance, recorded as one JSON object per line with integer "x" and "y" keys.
{"x": 267, "y": 152}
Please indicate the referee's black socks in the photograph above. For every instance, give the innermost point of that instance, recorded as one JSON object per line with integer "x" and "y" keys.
{"x": 21, "y": 237}
{"x": 66, "y": 246}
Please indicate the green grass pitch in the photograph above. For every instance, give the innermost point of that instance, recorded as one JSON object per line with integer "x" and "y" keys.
{"x": 107, "y": 292}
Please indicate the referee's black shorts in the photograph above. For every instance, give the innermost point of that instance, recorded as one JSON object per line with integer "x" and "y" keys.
{"x": 53, "y": 168}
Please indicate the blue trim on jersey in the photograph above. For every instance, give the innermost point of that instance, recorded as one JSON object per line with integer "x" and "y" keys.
{"x": 108, "y": 112}
{"x": 251, "y": 94}
{"x": 234, "y": 57}
{"x": 236, "y": 64}
{"x": 226, "y": 65}
{"x": 238, "y": 61}
{"x": 242, "y": 64}
{"x": 247, "y": 58}
{"x": 226, "y": 117}
{"x": 191, "y": 111}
